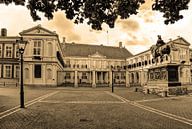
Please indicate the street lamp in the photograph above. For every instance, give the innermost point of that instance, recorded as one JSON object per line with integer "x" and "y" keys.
{"x": 113, "y": 69}
{"x": 21, "y": 44}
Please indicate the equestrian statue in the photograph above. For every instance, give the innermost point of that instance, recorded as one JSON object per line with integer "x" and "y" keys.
{"x": 160, "y": 50}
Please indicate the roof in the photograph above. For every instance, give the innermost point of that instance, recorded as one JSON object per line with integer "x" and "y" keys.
{"x": 87, "y": 50}
{"x": 44, "y": 31}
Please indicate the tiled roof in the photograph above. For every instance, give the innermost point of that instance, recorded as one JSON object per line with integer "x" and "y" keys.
{"x": 86, "y": 50}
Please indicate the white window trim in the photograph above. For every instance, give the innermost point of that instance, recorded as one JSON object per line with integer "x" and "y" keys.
{"x": 1, "y": 49}
{"x": 37, "y": 40}
{"x": 0, "y": 70}
{"x": 5, "y": 50}
{"x": 15, "y": 71}
{"x": 4, "y": 71}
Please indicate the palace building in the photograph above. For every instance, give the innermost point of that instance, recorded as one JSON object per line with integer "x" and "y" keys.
{"x": 49, "y": 62}
{"x": 92, "y": 65}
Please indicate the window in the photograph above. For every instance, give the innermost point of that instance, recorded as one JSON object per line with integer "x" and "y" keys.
{"x": 84, "y": 75}
{"x": 17, "y": 71}
{"x": 49, "y": 74}
{"x": 37, "y": 48}
{"x": 37, "y": 71}
{"x": 26, "y": 74}
{"x": 0, "y": 50}
{"x": 17, "y": 51}
{"x": 7, "y": 71}
{"x": 0, "y": 70}
{"x": 67, "y": 75}
{"x": 8, "y": 51}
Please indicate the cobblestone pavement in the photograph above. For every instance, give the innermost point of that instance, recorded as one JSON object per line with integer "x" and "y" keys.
{"x": 10, "y": 96}
{"x": 98, "y": 109}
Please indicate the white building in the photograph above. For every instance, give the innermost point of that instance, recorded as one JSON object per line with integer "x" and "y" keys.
{"x": 43, "y": 56}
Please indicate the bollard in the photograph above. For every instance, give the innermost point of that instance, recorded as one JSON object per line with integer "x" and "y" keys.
{"x": 136, "y": 89}
{"x": 165, "y": 93}
{"x": 147, "y": 91}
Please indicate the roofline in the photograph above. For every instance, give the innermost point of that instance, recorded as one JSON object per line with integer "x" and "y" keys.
{"x": 38, "y": 26}
{"x": 93, "y": 45}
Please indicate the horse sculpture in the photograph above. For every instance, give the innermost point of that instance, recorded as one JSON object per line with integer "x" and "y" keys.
{"x": 160, "y": 49}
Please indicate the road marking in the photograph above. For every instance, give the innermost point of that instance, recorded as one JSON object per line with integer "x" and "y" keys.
{"x": 84, "y": 102}
{"x": 156, "y": 111}
{"x": 16, "y": 109}
{"x": 117, "y": 96}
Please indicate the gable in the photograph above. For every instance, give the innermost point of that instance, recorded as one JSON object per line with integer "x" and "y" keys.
{"x": 38, "y": 30}
{"x": 181, "y": 41}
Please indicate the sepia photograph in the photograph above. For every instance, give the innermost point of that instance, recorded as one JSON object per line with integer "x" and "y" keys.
{"x": 95, "y": 64}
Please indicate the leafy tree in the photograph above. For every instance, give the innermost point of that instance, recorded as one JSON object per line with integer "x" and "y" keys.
{"x": 97, "y": 12}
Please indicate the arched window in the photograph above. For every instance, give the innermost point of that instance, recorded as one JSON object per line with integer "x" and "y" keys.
{"x": 26, "y": 73}
{"x": 50, "y": 49}
{"x": 49, "y": 74}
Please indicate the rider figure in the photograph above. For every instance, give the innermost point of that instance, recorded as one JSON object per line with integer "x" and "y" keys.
{"x": 160, "y": 42}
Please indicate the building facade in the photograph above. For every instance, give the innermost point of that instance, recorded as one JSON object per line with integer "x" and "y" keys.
{"x": 51, "y": 63}
{"x": 43, "y": 56}
{"x": 164, "y": 74}
{"x": 9, "y": 57}
{"x": 93, "y": 65}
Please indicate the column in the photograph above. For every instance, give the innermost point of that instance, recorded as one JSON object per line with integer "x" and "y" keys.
{"x": 142, "y": 80}
{"x": 90, "y": 77}
{"x": 76, "y": 81}
{"x": 44, "y": 74}
{"x": 93, "y": 82}
{"x": 110, "y": 78}
{"x": 101, "y": 77}
{"x": 127, "y": 79}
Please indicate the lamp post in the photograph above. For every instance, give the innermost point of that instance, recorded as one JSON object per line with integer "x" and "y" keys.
{"x": 22, "y": 44}
{"x": 113, "y": 69}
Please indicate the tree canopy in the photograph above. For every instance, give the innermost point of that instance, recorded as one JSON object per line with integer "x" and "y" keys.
{"x": 98, "y": 12}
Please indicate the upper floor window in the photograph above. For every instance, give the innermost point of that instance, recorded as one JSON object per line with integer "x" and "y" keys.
{"x": 17, "y": 51}
{"x": 37, "y": 48}
{"x": 8, "y": 51}
{"x": 0, "y": 50}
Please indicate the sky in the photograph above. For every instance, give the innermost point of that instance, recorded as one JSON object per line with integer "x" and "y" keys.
{"x": 137, "y": 33}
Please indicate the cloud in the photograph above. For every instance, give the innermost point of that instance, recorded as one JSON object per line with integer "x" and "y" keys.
{"x": 135, "y": 41}
{"x": 64, "y": 27}
{"x": 129, "y": 25}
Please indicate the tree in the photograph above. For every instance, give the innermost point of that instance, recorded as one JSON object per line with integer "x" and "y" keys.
{"x": 97, "y": 12}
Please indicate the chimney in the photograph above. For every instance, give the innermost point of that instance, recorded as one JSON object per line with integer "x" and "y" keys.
{"x": 120, "y": 44}
{"x": 64, "y": 40}
{"x": 4, "y": 32}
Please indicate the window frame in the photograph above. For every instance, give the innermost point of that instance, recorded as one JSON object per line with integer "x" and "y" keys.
{"x": 10, "y": 46}
{"x": 37, "y": 75}
{"x": 17, "y": 76}
{"x": 1, "y": 50}
{"x": 37, "y": 47}
{"x": 5, "y": 71}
